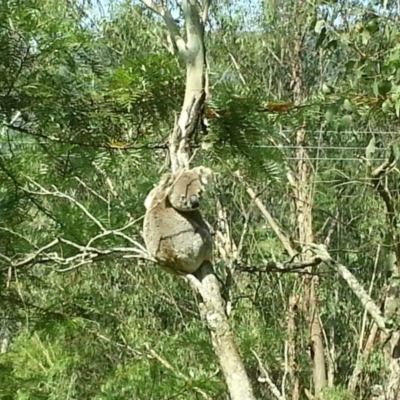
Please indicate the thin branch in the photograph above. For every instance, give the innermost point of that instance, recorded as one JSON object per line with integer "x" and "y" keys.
{"x": 271, "y": 221}
{"x": 31, "y": 257}
{"x": 172, "y": 26}
{"x": 266, "y": 378}
{"x": 108, "y": 146}
{"x": 354, "y": 285}
{"x": 235, "y": 64}
{"x": 179, "y": 374}
{"x": 288, "y": 267}
{"x": 57, "y": 193}
{"x": 92, "y": 190}
{"x": 86, "y": 253}
{"x": 204, "y": 11}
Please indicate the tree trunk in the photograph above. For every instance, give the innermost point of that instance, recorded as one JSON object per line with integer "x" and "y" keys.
{"x": 391, "y": 389}
{"x": 212, "y": 309}
{"x": 303, "y": 205}
{"x": 303, "y": 200}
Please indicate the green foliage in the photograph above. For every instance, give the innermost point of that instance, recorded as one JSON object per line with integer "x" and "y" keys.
{"x": 338, "y": 393}
{"x": 240, "y": 132}
{"x": 85, "y": 116}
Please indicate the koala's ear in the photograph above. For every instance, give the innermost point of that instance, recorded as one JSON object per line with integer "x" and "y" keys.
{"x": 205, "y": 174}
{"x": 166, "y": 179}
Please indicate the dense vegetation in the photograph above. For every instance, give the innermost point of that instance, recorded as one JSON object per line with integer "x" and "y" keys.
{"x": 305, "y": 103}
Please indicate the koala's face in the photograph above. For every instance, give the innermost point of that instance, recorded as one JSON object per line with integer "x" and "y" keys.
{"x": 186, "y": 188}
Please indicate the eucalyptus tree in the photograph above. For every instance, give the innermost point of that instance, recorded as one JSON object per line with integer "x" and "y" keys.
{"x": 343, "y": 79}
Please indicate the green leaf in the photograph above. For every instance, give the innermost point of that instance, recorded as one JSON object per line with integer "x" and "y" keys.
{"x": 321, "y": 38}
{"x": 319, "y": 26}
{"x": 326, "y": 89}
{"x": 345, "y": 121}
{"x": 384, "y": 87}
{"x": 375, "y": 88}
{"x": 387, "y": 106}
{"x": 397, "y": 108}
{"x": 365, "y": 37}
{"x": 347, "y": 105}
{"x": 331, "y": 111}
{"x": 370, "y": 149}
{"x": 373, "y": 25}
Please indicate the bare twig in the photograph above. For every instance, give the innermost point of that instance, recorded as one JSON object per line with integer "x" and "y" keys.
{"x": 266, "y": 378}
{"x": 86, "y": 253}
{"x": 56, "y": 193}
{"x": 31, "y": 257}
{"x": 92, "y": 191}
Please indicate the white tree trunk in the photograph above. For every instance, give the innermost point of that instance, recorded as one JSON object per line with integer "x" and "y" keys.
{"x": 212, "y": 307}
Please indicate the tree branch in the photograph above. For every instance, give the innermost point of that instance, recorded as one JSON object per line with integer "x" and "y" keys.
{"x": 376, "y": 178}
{"x": 266, "y": 378}
{"x": 85, "y": 253}
{"x": 367, "y": 302}
{"x": 288, "y": 266}
{"x": 172, "y": 26}
{"x": 269, "y": 218}
{"x": 179, "y": 374}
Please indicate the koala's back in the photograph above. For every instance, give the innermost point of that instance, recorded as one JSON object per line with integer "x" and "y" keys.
{"x": 178, "y": 240}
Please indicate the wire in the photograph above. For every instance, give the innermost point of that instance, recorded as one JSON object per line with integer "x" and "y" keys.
{"x": 346, "y": 132}
{"x": 315, "y": 147}
{"x": 332, "y": 159}
{"x": 278, "y": 147}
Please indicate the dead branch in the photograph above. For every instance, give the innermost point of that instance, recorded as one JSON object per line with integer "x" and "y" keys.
{"x": 86, "y": 255}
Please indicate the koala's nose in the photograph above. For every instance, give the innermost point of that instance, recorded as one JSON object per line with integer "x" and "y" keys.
{"x": 194, "y": 201}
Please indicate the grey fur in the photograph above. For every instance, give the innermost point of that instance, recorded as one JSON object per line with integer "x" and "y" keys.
{"x": 175, "y": 233}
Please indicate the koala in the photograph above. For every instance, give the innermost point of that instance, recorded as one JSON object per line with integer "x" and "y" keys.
{"x": 174, "y": 231}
